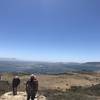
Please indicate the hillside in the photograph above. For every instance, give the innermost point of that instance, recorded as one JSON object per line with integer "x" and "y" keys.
{"x": 74, "y": 86}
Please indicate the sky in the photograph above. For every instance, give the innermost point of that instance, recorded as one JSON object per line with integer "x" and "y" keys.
{"x": 50, "y": 30}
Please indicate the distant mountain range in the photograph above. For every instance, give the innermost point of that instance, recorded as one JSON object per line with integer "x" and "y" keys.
{"x": 14, "y": 65}
{"x": 8, "y": 59}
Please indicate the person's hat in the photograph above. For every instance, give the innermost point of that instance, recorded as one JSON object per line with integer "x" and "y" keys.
{"x": 16, "y": 77}
{"x": 32, "y": 75}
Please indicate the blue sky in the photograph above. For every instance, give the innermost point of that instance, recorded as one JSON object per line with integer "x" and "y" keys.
{"x": 50, "y": 30}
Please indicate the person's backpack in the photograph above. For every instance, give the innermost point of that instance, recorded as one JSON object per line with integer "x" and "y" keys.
{"x": 32, "y": 86}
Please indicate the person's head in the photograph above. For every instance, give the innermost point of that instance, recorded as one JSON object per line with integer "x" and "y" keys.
{"x": 16, "y": 77}
{"x": 32, "y": 77}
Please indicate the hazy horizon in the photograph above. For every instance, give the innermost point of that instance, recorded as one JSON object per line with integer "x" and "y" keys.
{"x": 48, "y": 61}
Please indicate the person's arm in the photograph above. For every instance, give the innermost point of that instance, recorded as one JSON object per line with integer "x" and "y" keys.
{"x": 37, "y": 84}
{"x": 19, "y": 81}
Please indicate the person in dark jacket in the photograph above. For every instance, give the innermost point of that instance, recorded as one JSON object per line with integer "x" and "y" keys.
{"x": 15, "y": 83}
{"x": 32, "y": 87}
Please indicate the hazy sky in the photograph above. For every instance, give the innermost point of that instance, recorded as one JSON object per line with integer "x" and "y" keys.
{"x": 50, "y": 30}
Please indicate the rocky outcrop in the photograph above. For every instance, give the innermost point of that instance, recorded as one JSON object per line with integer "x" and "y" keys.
{"x": 19, "y": 96}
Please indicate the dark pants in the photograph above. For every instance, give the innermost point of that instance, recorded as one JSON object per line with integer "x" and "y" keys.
{"x": 14, "y": 90}
{"x": 32, "y": 96}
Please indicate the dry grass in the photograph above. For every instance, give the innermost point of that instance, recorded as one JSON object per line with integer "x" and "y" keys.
{"x": 62, "y": 82}
{"x": 49, "y": 83}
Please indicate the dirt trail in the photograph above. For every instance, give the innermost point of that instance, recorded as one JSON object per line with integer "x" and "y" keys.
{"x": 20, "y": 96}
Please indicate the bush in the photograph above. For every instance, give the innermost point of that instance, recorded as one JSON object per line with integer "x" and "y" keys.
{"x": 59, "y": 95}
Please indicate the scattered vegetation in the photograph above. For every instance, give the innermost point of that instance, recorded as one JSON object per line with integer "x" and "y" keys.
{"x": 75, "y": 93}
{"x": 58, "y": 95}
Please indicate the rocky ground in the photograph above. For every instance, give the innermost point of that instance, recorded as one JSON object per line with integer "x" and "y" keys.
{"x": 19, "y": 96}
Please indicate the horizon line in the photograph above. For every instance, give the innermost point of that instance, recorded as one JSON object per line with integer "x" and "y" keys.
{"x": 49, "y": 61}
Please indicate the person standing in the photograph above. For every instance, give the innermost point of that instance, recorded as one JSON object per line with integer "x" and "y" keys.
{"x": 32, "y": 87}
{"x": 15, "y": 83}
